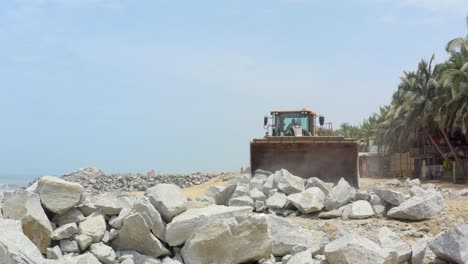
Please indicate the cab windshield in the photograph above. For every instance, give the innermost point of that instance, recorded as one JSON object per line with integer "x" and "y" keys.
{"x": 285, "y": 121}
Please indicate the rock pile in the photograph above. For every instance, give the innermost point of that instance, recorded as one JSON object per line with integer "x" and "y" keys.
{"x": 57, "y": 222}
{"x": 97, "y": 181}
{"x": 283, "y": 193}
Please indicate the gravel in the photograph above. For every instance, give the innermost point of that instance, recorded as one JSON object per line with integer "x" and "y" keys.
{"x": 97, "y": 181}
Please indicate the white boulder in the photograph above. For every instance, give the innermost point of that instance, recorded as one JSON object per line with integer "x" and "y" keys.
{"x": 452, "y": 245}
{"x": 308, "y": 201}
{"x": 389, "y": 240}
{"x": 26, "y": 207}
{"x": 152, "y": 217}
{"x": 94, "y": 226}
{"x": 168, "y": 200}
{"x": 289, "y": 183}
{"x": 187, "y": 223}
{"x": 232, "y": 240}
{"x": 58, "y": 195}
{"x": 15, "y": 247}
{"x": 427, "y": 206}
{"x": 340, "y": 195}
{"x": 136, "y": 235}
{"x": 390, "y": 196}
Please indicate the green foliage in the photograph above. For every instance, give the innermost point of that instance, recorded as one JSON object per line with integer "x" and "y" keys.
{"x": 431, "y": 98}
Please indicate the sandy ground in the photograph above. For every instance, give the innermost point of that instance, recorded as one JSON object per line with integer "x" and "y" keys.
{"x": 197, "y": 191}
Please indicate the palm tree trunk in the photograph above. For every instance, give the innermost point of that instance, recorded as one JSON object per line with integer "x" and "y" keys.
{"x": 435, "y": 145}
{"x": 458, "y": 162}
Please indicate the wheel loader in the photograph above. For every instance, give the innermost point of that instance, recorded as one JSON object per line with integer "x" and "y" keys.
{"x": 294, "y": 142}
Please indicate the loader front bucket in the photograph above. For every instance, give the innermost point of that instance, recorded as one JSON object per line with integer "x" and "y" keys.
{"x": 327, "y": 158}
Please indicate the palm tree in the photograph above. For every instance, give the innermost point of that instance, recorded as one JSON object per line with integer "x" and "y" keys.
{"x": 458, "y": 44}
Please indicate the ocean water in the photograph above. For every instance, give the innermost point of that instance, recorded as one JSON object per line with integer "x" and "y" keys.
{"x": 11, "y": 182}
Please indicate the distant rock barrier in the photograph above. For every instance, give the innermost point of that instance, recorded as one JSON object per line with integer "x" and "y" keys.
{"x": 98, "y": 181}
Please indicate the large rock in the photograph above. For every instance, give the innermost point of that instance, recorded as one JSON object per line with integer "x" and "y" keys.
{"x": 242, "y": 201}
{"x": 316, "y": 182}
{"x": 463, "y": 192}
{"x": 268, "y": 185}
{"x": 277, "y": 201}
{"x": 289, "y": 183}
{"x": 390, "y": 196}
{"x": 419, "y": 251}
{"x": 222, "y": 197}
{"x": 54, "y": 253}
{"x": 69, "y": 246}
{"x": 71, "y": 216}
{"x": 136, "y": 235}
{"x": 257, "y": 195}
{"x": 152, "y": 217}
{"x": 354, "y": 249}
{"x": 86, "y": 258}
{"x": 26, "y": 207}
{"x": 452, "y": 245}
{"x": 360, "y": 209}
{"x": 257, "y": 181}
{"x": 168, "y": 200}
{"x": 110, "y": 203}
{"x": 308, "y": 201}
{"x": 117, "y": 221}
{"x": 103, "y": 253}
{"x": 65, "y": 231}
{"x": 15, "y": 247}
{"x": 58, "y": 195}
{"x": 241, "y": 190}
{"x": 133, "y": 257}
{"x": 303, "y": 257}
{"x": 187, "y": 223}
{"x": 362, "y": 195}
{"x": 287, "y": 235}
{"x": 416, "y": 190}
{"x": 420, "y": 207}
{"x": 94, "y": 226}
{"x": 389, "y": 240}
{"x": 84, "y": 241}
{"x": 340, "y": 195}
{"x": 233, "y": 240}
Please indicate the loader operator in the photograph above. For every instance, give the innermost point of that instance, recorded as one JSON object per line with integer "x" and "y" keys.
{"x": 296, "y": 125}
{"x": 289, "y": 130}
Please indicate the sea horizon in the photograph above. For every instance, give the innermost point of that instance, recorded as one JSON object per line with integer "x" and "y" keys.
{"x": 13, "y": 181}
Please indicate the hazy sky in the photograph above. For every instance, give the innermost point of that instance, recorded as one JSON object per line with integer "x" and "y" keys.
{"x": 181, "y": 86}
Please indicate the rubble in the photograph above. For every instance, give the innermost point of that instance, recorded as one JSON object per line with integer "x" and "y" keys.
{"x": 97, "y": 181}
{"x": 273, "y": 222}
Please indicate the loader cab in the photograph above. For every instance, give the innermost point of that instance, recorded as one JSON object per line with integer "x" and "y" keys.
{"x": 287, "y": 123}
